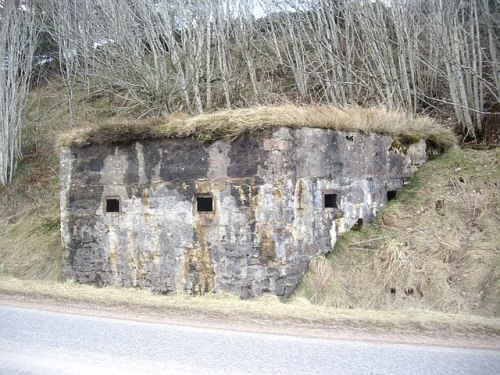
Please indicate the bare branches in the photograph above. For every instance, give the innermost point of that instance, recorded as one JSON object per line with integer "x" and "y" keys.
{"x": 17, "y": 46}
{"x": 188, "y": 55}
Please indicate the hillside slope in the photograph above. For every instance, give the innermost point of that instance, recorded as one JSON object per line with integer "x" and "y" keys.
{"x": 30, "y": 243}
{"x": 437, "y": 246}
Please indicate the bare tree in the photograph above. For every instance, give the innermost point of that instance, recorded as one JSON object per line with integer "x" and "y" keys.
{"x": 196, "y": 55}
{"x": 464, "y": 35}
{"x": 17, "y": 47}
{"x": 66, "y": 16}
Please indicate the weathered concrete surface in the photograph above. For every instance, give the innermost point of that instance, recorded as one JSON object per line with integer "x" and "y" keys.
{"x": 268, "y": 215}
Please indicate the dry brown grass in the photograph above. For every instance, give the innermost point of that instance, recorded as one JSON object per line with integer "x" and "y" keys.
{"x": 30, "y": 248}
{"x": 437, "y": 247}
{"x": 230, "y": 124}
{"x": 30, "y": 243}
{"x": 266, "y": 309}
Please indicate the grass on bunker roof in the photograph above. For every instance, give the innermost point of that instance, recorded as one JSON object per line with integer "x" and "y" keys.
{"x": 230, "y": 124}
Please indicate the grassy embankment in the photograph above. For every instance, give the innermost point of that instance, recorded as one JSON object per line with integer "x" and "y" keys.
{"x": 432, "y": 259}
{"x": 437, "y": 247}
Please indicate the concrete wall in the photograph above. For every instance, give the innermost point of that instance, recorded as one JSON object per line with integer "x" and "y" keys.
{"x": 268, "y": 215}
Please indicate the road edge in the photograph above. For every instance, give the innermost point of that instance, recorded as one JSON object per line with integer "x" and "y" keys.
{"x": 316, "y": 330}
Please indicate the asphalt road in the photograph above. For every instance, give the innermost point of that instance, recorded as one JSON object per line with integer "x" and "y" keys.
{"x": 41, "y": 342}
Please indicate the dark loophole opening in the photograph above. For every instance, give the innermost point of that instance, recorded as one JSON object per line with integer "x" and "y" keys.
{"x": 358, "y": 225}
{"x": 112, "y": 205}
{"x": 204, "y": 204}
{"x": 391, "y": 194}
{"x": 393, "y": 290}
{"x": 330, "y": 200}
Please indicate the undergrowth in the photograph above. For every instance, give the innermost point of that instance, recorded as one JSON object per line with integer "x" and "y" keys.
{"x": 30, "y": 244}
{"x": 436, "y": 247}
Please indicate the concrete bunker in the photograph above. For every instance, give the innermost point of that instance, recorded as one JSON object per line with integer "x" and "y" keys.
{"x": 243, "y": 216}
